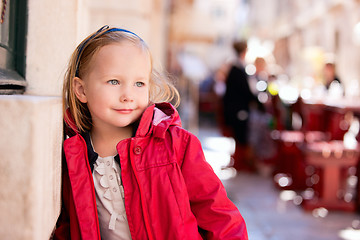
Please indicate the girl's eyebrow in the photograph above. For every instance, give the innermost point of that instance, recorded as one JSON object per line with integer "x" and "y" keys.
{"x": 119, "y": 77}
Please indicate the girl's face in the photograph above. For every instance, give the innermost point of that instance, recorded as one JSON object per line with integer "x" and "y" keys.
{"x": 116, "y": 89}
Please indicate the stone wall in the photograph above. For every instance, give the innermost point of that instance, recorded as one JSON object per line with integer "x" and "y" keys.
{"x": 31, "y": 124}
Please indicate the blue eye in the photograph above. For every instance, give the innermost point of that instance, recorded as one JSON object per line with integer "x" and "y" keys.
{"x": 139, "y": 84}
{"x": 113, "y": 82}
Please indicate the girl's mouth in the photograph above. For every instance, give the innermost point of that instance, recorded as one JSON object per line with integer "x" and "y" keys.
{"x": 124, "y": 110}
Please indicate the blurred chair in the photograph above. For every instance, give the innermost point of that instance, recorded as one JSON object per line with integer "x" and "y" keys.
{"x": 335, "y": 160}
{"x": 290, "y": 171}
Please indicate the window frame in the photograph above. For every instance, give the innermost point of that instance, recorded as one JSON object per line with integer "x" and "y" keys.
{"x": 13, "y": 54}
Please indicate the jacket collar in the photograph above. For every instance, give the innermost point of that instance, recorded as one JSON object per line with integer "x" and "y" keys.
{"x": 92, "y": 155}
{"x": 156, "y": 119}
{"x": 70, "y": 128}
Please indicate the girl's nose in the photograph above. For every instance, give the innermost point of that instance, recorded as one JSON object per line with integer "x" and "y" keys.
{"x": 126, "y": 96}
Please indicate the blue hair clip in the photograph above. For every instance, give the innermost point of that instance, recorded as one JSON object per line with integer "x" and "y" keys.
{"x": 103, "y": 30}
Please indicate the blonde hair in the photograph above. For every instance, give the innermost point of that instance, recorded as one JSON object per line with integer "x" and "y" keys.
{"x": 161, "y": 88}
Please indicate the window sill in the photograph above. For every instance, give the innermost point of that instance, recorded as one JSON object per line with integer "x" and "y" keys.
{"x": 11, "y": 82}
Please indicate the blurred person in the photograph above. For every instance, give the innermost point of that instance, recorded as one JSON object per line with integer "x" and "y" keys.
{"x": 260, "y": 122}
{"x": 333, "y": 85}
{"x": 207, "y": 100}
{"x": 260, "y": 75}
{"x": 211, "y": 91}
{"x": 130, "y": 171}
{"x": 236, "y": 106}
{"x": 330, "y": 75}
{"x": 274, "y": 105}
{"x": 220, "y": 79}
{"x": 219, "y": 90}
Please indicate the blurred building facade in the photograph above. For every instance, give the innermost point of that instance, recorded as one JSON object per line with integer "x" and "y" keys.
{"x": 201, "y": 33}
{"x": 306, "y": 34}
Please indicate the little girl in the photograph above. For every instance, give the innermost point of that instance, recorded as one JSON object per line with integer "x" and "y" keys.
{"x": 130, "y": 170}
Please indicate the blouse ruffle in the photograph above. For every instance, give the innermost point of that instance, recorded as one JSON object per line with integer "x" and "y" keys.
{"x": 111, "y": 193}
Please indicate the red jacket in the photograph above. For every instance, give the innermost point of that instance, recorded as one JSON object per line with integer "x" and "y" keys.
{"x": 171, "y": 192}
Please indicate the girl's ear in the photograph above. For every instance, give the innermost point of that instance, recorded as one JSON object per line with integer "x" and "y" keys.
{"x": 79, "y": 90}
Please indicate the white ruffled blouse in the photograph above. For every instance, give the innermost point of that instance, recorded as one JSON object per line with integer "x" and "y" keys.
{"x": 110, "y": 199}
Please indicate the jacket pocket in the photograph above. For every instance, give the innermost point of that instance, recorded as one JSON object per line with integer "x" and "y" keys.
{"x": 152, "y": 154}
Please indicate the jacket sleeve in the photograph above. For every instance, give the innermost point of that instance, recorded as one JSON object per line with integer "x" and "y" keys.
{"x": 216, "y": 215}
